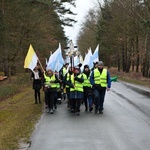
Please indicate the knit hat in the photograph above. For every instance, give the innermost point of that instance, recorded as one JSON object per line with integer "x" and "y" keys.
{"x": 95, "y": 63}
{"x": 86, "y": 66}
{"x": 100, "y": 63}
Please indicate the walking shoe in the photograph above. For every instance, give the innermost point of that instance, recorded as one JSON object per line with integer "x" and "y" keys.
{"x": 59, "y": 101}
{"x": 72, "y": 110}
{"x": 35, "y": 103}
{"x": 39, "y": 101}
{"x": 78, "y": 113}
{"x": 100, "y": 112}
{"x": 51, "y": 111}
{"x": 86, "y": 109}
{"x": 96, "y": 110}
{"x": 91, "y": 109}
{"x": 55, "y": 106}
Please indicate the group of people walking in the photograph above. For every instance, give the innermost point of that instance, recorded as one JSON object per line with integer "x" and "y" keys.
{"x": 88, "y": 87}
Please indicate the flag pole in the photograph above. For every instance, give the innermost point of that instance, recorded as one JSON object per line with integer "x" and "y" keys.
{"x": 41, "y": 65}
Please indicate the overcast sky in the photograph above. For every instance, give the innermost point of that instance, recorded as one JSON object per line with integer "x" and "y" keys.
{"x": 82, "y": 8}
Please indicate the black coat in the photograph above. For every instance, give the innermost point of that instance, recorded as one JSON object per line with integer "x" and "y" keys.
{"x": 37, "y": 84}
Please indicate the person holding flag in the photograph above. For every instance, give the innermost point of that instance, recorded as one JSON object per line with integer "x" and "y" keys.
{"x": 36, "y": 76}
{"x": 31, "y": 59}
{"x": 32, "y": 62}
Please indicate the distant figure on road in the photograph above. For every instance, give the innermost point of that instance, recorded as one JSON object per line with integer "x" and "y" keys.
{"x": 36, "y": 76}
{"x": 100, "y": 79}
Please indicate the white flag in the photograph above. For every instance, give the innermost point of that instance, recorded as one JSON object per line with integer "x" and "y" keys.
{"x": 95, "y": 54}
{"x": 56, "y": 60}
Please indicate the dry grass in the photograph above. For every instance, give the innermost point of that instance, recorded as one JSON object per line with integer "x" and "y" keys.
{"x": 13, "y": 85}
{"x": 131, "y": 77}
{"x": 18, "y": 115}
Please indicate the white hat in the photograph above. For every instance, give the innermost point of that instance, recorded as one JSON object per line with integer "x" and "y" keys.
{"x": 76, "y": 67}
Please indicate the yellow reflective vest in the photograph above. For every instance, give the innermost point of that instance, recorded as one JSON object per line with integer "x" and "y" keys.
{"x": 78, "y": 86}
{"x": 67, "y": 79}
{"x": 100, "y": 78}
{"x": 48, "y": 81}
{"x": 58, "y": 85}
{"x": 64, "y": 71}
{"x": 86, "y": 81}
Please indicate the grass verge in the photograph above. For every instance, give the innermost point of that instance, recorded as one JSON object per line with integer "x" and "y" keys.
{"x": 13, "y": 85}
{"x": 18, "y": 113}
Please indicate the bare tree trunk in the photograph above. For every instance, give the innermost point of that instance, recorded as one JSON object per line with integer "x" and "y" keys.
{"x": 123, "y": 58}
{"x": 137, "y": 53}
{"x": 132, "y": 66}
{"x": 5, "y": 57}
{"x": 118, "y": 60}
{"x": 127, "y": 59}
{"x": 145, "y": 69}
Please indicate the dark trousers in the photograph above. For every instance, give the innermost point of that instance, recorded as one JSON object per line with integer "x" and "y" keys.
{"x": 75, "y": 104}
{"x": 59, "y": 95}
{"x": 37, "y": 95}
{"x": 99, "y": 96}
{"x": 68, "y": 96}
{"x": 87, "y": 100}
{"x": 55, "y": 98}
{"x": 68, "y": 92}
{"x": 51, "y": 97}
{"x": 46, "y": 97}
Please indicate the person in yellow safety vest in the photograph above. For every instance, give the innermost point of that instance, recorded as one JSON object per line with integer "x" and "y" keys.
{"x": 58, "y": 98}
{"x": 100, "y": 79}
{"x": 87, "y": 87}
{"x": 76, "y": 90}
{"x": 62, "y": 74}
{"x": 64, "y": 71}
{"x": 45, "y": 88}
{"x": 67, "y": 79}
{"x": 50, "y": 80}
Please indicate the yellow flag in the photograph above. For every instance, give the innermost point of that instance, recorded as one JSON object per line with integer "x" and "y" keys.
{"x": 31, "y": 59}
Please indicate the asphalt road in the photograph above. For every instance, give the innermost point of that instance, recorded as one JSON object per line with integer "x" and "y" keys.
{"x": 125, "y": 125}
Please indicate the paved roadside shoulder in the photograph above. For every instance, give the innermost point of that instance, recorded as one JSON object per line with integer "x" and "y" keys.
{"x": 138, "y": 88}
